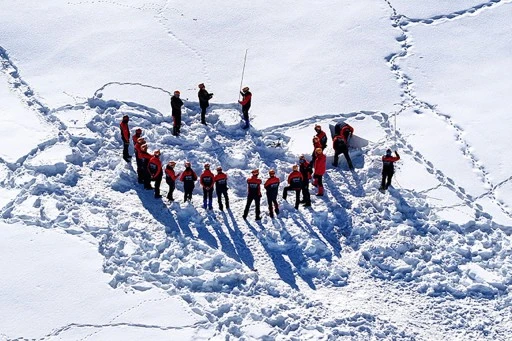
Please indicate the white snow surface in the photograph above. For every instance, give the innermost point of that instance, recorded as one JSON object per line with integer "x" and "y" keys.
{"x": 88, "y": 254}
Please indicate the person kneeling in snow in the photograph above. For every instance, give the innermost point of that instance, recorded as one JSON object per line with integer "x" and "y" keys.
{"x": 340, "y": 146}
{"x": 155, "y": 169}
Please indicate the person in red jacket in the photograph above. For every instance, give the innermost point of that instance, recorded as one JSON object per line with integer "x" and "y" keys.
{"x": 207, "y": 181}
{"x": 246, "y": 104}
{"x": 144, "y": 162}
{"x": 155, "y": 170}
{"x": 294, "y": 184}
{"x": 388, "y": 169}
{"x": 272, "y": 189}
{"x": 320, "y": 167}
{"x": 306, "y": 171}
{"x": 346, "y": 131}
{"x": 221, "y": 187}
{"x": 322, "y": 136}
{"x": 253, "y": 194}
{"x": 125, "y": 136}
{"x": 140, "y": 172}
{"x": 136, "y": 136}
{"x": 188, "y": 177}
{"x": 316, "y": 144}
{"x": 339, "y": 144}
{"x": 170, "y": 179}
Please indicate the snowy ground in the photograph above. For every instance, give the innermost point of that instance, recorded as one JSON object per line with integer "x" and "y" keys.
{"x": 88, "y": 254}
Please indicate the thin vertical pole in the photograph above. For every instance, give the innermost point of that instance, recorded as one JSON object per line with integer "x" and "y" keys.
{"x": 243, "y": 72}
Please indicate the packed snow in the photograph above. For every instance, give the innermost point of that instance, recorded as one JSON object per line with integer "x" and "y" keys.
{"x": 89, "y": 254}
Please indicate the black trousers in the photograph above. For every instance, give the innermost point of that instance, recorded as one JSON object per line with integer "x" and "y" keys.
{"x": 297, "y": 194}
{"x": 207, "y": 196}
{"x": 245, "y": 112}
{"x": 386, "y": 179}
{"x": 176, "y": 125}
{"x": 172, "y": 187}
{"x": 318, "y": 179}
{"x": 158, "y": 181}
{"x": 203, "y": 115}
{"x": 220, "y": 193}
{"x": 188, "y": 189}
{"x": 272, "y": 204}
{"x": 256, "y": 200}
{"x": 347, "y": 156}
{"x": 305, "y": 192}
{"x": 126, "y": 153}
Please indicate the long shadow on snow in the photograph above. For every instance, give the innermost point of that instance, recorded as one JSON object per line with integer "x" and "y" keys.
{"x": 237, "y": 237}
{"x": 283, "y": 268}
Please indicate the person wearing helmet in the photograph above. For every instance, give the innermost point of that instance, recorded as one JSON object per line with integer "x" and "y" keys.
{"x": 125, "y": 136}
{"x": 136, "y": 136}
{"x": 176, "y": 104}
{"x": 246, "y": 104}
{"x": 138, "y": 158}
{"x": 155, "y": 170}
{"x": 272, "y": 189}
{"x": 339, "y": 144}
{"x": 144, "y": 162}
{"x": 170, "y": 179}
{"x": 221, "y": 187}
{"x": 306, "y": 171}
{"x": 294, "y": 184}
{"x": 320, "y": 167}
{"x": 204, "y": 98}
{"x": 316, "y": 144}
{"x": 206, "y": 181}
{"x": 253, "y": 194}
{"x": 188, "y": 177}
{"x": 322, "y": 136}
{"x": 388, "y": 169}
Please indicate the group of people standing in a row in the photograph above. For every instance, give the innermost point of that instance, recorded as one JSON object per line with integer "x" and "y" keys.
{"x": 149, "y": 166}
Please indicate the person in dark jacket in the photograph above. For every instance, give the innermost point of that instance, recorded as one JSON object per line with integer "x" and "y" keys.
{"x": 221, "y": 187}
{"x": 188, "y": 177}
{"x": 138, "y": 159}
{"x": 246, "y": 104}
{"x": 316, "y": 144}
{"x": 176, "y": 104}
{"x": 339, "y": 144}
{"x": 306, "y": 171}
{"x": 170, "y": 179}
{"x": 320, "y": 167}
{"x": 125, "y": 136}
{"x": 144, "y": 162}
{"x": 388, "y": 169}
{"x": 204, "y": 98}
{"x": 155, "y": 170}
{"x": 253, "y": 194}
{"x": 322, "y": 136}
{"x": 207, "y": 180}
{"x": 272, "y": 188}
{"x": 294, "y": 184}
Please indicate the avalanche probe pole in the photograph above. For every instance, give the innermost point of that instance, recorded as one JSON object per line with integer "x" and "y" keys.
{"x": 243, "y": 72}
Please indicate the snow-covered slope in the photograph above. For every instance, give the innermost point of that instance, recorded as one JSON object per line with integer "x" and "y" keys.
{"x": 429, "y": 259}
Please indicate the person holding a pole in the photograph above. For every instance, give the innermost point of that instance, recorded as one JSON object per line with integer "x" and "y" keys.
{"x": 246, "y": 104}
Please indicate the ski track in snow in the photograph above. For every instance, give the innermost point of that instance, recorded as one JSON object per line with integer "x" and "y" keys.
{"x": 238, "y": 265}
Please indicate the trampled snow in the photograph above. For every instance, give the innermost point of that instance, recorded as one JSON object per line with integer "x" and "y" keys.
{"x": 87, "y": 253}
